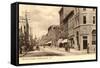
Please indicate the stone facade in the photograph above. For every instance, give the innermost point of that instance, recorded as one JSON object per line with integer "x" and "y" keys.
{"x": 79, "y": 25}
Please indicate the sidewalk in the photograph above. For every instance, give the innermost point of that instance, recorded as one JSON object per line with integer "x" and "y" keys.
{"x": 62, "y": 51}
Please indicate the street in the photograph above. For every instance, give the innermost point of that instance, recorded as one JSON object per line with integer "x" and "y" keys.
{"x": 53, "y": 51}
{"x": 52, "y": 54}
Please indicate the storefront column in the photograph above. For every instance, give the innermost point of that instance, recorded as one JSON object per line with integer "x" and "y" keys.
{"x": 81, "y": 42}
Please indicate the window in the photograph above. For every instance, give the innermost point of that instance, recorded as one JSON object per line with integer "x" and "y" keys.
{"x": 85, "y": 37}
{"x": 84, "y": 19}
{"x": 84, "y": 9}
{"x": 54, "y": 27}
{"x": 93, "y": 37}
{"x": 93, "y": 19}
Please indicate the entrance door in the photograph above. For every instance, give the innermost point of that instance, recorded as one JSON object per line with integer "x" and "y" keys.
{"x": 84, "y": 42}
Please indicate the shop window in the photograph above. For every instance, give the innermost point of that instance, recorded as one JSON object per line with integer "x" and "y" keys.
{"x": 93, "y": 37}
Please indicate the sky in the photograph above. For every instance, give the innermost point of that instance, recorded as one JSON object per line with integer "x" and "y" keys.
{"x": 40, "y": 17}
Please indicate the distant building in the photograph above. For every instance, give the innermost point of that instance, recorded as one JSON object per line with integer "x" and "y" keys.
{"x": 79, "y": 26}
{"x": 22, "y": 24}
{"x": 24, "y": 30}
{"x": 52, "y": 35}
{"x": 43, "y": 40}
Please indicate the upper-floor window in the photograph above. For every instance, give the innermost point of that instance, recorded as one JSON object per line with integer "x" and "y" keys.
{"x": 84, "y": 19}
{"x": 93, "y": 19}
{"x": 84, "y": 9}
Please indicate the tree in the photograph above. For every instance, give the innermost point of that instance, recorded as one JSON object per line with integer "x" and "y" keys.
{"x": 21, "y": 40}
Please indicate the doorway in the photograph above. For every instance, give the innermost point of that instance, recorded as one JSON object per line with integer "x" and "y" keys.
{"x": 84, "y": 42}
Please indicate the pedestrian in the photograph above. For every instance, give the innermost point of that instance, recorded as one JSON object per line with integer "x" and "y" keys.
{"x": 68, "y": 46}
{"x": 79, "y": 47}
{"x": 88, "y": 48}
{"x": 38, "y": 48}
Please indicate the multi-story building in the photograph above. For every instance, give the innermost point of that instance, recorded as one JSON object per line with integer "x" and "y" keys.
{"x": 52, "y": 36}
{"x": 79, "y": 25}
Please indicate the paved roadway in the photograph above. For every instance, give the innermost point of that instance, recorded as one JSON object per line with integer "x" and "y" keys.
{"x": 53, "y": 51}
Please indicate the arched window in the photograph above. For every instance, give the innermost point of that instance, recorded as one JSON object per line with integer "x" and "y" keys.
{"x": 93, "y": 37}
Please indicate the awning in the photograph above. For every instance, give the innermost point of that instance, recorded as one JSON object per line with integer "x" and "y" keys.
{"x": 60, "y": 40}
{"x": 48, "y": 42}
{"x": 65, "y": 41}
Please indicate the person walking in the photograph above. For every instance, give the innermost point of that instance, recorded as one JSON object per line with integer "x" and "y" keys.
{"x": 37, "y": 47}
{"x": 88, "y": 48}
{"x": 68, "y": 46}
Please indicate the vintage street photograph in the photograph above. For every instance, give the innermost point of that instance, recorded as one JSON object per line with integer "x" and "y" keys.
{"x": 56, "y": 33}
